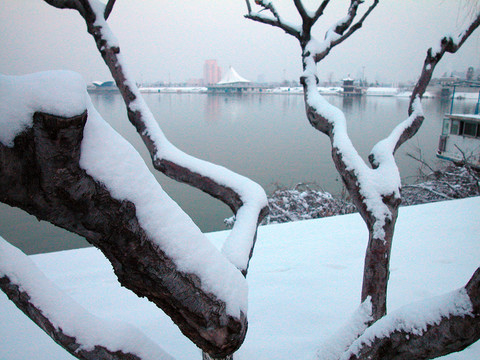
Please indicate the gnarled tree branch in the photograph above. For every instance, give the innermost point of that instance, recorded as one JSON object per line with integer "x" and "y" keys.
{"x": 447, "y": 44}
{"x": 276, "y": 21}
{"x": 231, "y": 189}
{"x": 41, "y": 174}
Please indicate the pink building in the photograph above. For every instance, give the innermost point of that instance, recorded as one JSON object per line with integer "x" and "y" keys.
{"x": 211, "y": 72}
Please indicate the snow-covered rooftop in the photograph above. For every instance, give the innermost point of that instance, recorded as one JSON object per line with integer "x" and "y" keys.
{"x": 232, "y": 77}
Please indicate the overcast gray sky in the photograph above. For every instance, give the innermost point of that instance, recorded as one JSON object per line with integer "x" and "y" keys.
{"x": 170, "y": 40}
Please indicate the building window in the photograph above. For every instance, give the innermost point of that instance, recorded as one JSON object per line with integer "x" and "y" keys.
{"x": 455, "y": 128}
{"x": 446, "y": 127}
{"x": 470, "y": 129}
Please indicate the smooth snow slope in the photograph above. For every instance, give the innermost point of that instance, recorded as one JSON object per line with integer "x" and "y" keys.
{"x": 304, "y": 282}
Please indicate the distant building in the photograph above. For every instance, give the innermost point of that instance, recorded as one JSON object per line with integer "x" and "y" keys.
{"x": 231, "y": 82}
{"x": 349, "y": 88}
{"x": 102, "y": 86}
{"x": 211, "y": 72}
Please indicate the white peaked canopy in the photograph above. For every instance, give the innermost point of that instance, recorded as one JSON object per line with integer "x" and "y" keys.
{"x": 232, "y": 77}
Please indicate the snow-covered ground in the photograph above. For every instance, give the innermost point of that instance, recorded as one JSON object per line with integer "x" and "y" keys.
{"x": 304, "y": 282}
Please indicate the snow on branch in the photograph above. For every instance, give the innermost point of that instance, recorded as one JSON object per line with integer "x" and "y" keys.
{"x": 435, "y": 54}
{"x": 340, "y": 31}
{"x": 275, "y": 21}
{"x": 81, "y": 333}
{"x": 386, "y": 148}
{"x": 339, "y": 342}
{"x": 408, "y": 128}
{"x": 426, "y": 329}
{"x": 244, "y": 197}
{"x": 94, "y": 183}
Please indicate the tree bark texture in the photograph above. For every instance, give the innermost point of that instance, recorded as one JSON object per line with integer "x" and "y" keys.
{"x": 41, "y": 175}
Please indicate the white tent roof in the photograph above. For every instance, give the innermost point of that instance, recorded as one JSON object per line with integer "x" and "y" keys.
{"x": 232, "y": 77}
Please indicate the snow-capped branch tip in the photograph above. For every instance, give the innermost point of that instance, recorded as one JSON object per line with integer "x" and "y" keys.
{"x": 65, "y": 320}
{"x": 399, "y": 135}
{"x": 453, "y": 331}
{"x": 345, "y": 28}
{"x": 23, "y": 301}
{"x": 274, "y": 20}
{"x": 406, "y": 130}
{"x": 433, "y": 57}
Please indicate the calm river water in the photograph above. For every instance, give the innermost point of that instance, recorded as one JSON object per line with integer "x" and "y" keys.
{"x": 263, "y": 136}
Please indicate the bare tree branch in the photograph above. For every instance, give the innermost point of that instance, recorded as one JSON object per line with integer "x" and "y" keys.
{"x": 68, "y": 4}
{"x": 301, "y": 10}
{"x": 407, "y": 129}
{"x": 346, "y": 32}
{"x": 249, "y": 7}
{"x": 275, "y": 21}
{"x": 320, "y": 10}
{"x": 108, "y": 8}
{"x": 447, "y": 44}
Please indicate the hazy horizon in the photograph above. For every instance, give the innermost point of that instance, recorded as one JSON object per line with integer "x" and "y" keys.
{"x": 170, "y": 40}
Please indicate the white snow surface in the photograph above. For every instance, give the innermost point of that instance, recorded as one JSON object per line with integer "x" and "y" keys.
{"x": 66, "y": 314}
{"x": 335, "y": 345}
{"x": 305, "y": 282}
{"x": 239, "y": 242}
{"x": 110, "y": 159}
{"x": 53, "y": 92}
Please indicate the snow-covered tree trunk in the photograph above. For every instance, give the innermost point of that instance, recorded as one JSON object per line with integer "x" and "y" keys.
{"x": 374, "y": 189}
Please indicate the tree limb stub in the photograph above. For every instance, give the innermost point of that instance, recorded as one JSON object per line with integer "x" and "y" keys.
{"x": 451, "y": 334}
{"x": 22, "y": 300}
{"x": 41, "y": 175}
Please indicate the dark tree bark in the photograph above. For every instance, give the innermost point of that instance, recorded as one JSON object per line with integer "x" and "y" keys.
{"x": 41, "y": 175}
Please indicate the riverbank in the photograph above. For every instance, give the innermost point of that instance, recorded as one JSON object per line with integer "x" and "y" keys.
{"x": 308, "y": 201}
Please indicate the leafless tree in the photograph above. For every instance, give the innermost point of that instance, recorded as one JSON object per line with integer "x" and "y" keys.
{"x": 374, "y": 190}
{"x": 42, "y": 175}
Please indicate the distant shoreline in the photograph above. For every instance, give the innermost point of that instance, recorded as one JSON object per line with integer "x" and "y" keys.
{"x": 335, "y": 91}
